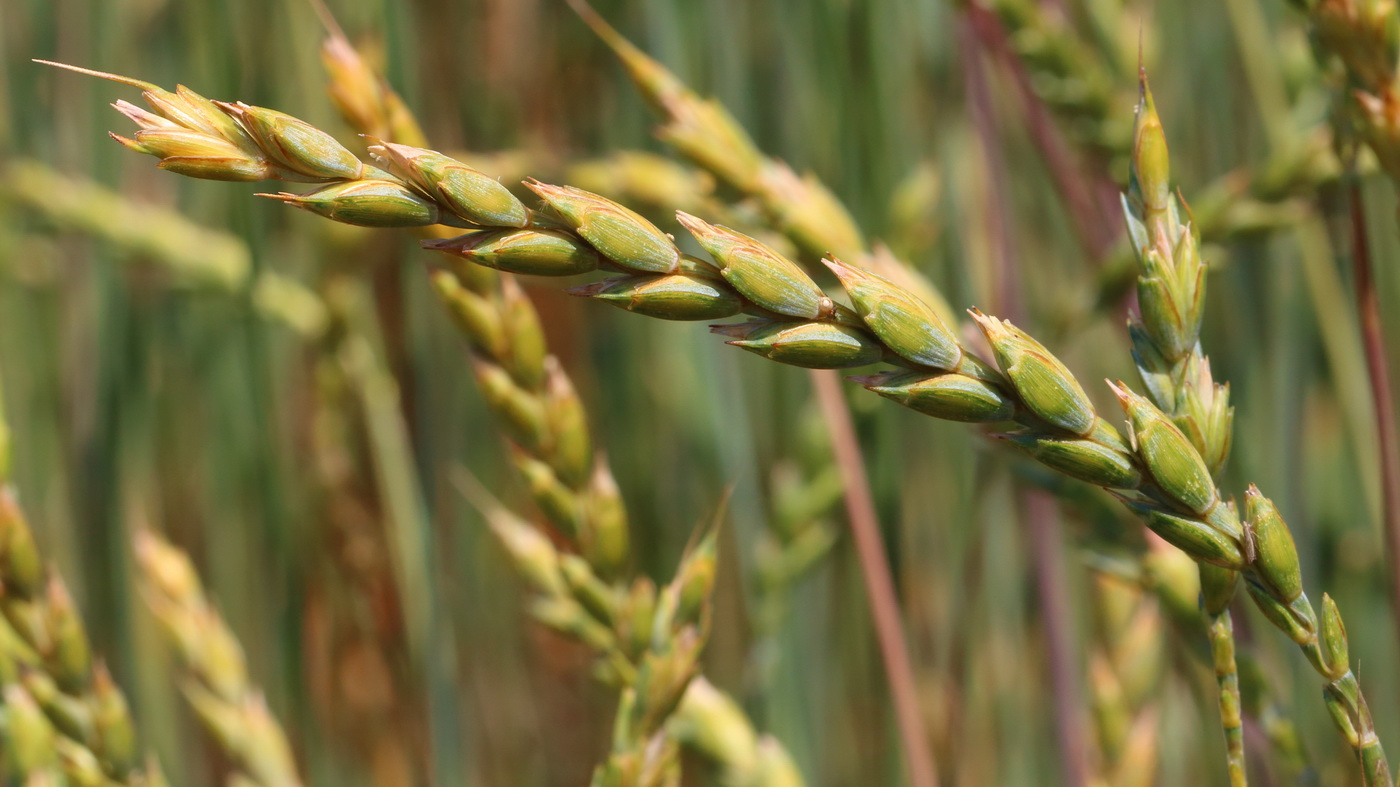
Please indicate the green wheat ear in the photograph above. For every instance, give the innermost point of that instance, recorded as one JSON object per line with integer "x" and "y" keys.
{"x": 1178, "y": 436}
{"x": 61, "y": 710}
{"x": 215, "y": 679}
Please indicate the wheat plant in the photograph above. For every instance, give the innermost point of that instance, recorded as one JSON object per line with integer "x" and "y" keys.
{"x": 782, "y": 267}
{"x": 1166, "y": 475}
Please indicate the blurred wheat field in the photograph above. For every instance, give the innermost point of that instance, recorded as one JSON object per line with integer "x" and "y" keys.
{"x": 172, "y": 387}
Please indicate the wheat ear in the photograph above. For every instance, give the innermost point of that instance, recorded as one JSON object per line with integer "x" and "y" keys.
{"x": 644, "y": 753}
{"x": 586, "y": 596}
{"x": 1159, "y": 473}
{"x": 195, "y": 257}
{"x": 1077, "y": 79}
{"x": 1125, "y": 665}
{"x": 215, "y": 679}
{"x": 813, "y": 218}
{"x": 628, "y": 626}
{"x": 1176, "y": 373}
{"x": 62, "y": 707}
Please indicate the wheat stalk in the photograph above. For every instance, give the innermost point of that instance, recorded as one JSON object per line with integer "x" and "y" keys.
{"x": 1158, "y": 474}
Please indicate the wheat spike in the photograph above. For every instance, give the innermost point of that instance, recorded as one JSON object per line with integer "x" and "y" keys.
{"x": 1174, "y": 497}
{"x": 62, "y": 707}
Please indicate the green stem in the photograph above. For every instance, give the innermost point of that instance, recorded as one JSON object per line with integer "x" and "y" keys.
{"x": 1221, "y": 631}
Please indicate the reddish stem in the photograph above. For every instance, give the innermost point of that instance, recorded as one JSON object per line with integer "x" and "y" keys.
{"x": 879, "y": 584}
{"x": 1040, "y": 519}
{"x": 1382, "y": 399}
{"x": 1095, "y": 231}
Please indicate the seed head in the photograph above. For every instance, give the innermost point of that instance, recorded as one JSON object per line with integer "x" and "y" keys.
{"x": 1276, "y": 556}
{"x": 695, "y": 579}
{"x": 1332, "y": 637}
{"x": 809, "y": 212}
{"x": 608, "y": 539}
{"x": 561, "y": 504}
{"x": 1342, "y": 709}
{"x": 1173, "y": 461}
{"x": 20, "y": 565}
{"x": 569, "y": 448}
{"x": 638, "y": 616}
{"x": 1151, "y": 166}
{"x": 1086, "y": 460}
{"x": 190, "y": 110}
{"x": 294, "y": 144}
{"x": 167, "y": 569}
{"x": 66, "y": 654}
{"x": 477, "y": 315}
{"x": 522, "y": 413}
{"x": 198, "y": 155}
{"x": 111, "y": 719}
{"x": 600, "y": 599}
{"x": 1203, "y": 541}
{"x": 30, "y": 736}
{"x": 1295, "y": 618}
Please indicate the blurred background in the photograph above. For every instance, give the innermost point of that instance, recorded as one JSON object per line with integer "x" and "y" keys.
{"x": 154, "y": 379}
